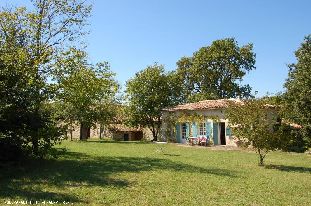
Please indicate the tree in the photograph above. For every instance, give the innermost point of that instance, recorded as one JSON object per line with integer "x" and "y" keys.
{"x": 298, "y": 90}
{"x": 19, "y": 118}
{"x": 216, "y": 71}
{"x": 86, "y": 91}
{"x": 254, "y": 122}
{"x": 35, "y": 37}
{"x": 291, "y": 133}
{"x": 148, "y": 93}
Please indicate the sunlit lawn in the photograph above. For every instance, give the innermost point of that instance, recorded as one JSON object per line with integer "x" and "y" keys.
{"x": 111, "y": 173}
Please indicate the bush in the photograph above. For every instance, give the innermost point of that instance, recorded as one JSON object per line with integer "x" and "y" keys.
{"x": 292, "y": 139}
{"x": 10, "y": 151}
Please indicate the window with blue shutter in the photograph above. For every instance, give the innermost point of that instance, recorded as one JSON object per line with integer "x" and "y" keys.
{"x": 178, "y": 139}
{"x": 228, "y": 132}
{"x": 183, "y": 131}
{"x": 202, "y": 129}
{"x": 187, "y": 130}
{"x": 194, "y": 130}
{"x": 208, "y": 129}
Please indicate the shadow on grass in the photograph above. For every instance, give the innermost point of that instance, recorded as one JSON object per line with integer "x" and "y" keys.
{"x": 33, "y": 179}
{"x": 172, "y": 155}
{"x": 289, "y": 168}
{"x": 115, "y": 142}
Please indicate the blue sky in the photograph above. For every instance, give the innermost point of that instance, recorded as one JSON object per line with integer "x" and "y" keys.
{"x": 131, "y": 34}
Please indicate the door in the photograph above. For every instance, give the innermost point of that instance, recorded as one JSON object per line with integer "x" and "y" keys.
{"x": 222, "y": 133}
{"x": 126, "y": 137}
{"x": 85, "y": 132}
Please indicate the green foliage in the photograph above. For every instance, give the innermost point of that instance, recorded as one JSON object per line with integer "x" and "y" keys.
{"x": 20, "y": 117}
{"x": 292, "y": 139}
{"x": 86, "y": 92}
{"x": 148, "y": 93}
{"x": 30, "y": 41}
{"x": 216, "y": 71}
{"x": 253, "y": 123}
{"x": 298, "y": 90}
{"x": 20, "y": 121}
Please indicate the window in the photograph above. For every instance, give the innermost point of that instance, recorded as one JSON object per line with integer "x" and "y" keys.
{"x": 183, "y": 131}
{"x": 202, "y": 129}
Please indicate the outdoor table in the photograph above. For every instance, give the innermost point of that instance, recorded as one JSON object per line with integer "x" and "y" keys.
{"x": 192, "y": 139}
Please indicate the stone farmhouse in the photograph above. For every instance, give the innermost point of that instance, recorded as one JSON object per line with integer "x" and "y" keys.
{"x": 202, "y": 120}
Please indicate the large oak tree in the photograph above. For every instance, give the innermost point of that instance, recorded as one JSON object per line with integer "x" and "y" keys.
{"x": 216, "y": 71}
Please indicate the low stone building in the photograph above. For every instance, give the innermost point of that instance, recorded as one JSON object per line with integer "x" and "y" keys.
{"x": 119, "y": 132}
{"x": 203, "y": 119}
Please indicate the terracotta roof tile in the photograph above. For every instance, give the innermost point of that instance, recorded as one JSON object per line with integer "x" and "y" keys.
{"x": 206, "y": 104}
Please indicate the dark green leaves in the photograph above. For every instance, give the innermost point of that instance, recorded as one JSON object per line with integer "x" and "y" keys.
{"x": 216, "y": 71}
{"x": 148, "y": 93}
{"x": 298, "y": 89}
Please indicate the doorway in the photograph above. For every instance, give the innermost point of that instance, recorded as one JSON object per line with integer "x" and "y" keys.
{"x": 126, "y": 137}
{"x": 222, "y": 135}
{"x": 85, "y": 132}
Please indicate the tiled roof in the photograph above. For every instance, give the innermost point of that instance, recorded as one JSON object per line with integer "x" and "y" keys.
{"x": 206, "y": 104}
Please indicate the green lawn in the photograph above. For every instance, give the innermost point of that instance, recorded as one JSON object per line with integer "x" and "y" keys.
{"x": 110, "y": 173}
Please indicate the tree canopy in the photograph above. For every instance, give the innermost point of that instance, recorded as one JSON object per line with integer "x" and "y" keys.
{"x": 253, "y": 123}
{"x": 216, "y": 71}
{"x": 86, "y": 91}
{"x": 148, "y": 93}
{"x": 298, "y": 89}
{"x": 30, "y": 41}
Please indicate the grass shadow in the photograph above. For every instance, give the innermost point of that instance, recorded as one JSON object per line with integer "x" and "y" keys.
{"x": 33, "y": 179}
{"x": 171, "y": 155}
{"x": 116, "y": 142}
{"x": 289, "y": 168}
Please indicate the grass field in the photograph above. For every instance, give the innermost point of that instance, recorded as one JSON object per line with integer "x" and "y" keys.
{"x": 111, "y": 173}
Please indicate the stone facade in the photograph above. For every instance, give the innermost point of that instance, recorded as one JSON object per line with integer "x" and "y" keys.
{"x": 210, "y": 122}
{"x": 117, "y": 132}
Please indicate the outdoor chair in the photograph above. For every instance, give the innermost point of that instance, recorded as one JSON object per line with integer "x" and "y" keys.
{"x": 193, "y": 140}
{"x": 203, "y": 141}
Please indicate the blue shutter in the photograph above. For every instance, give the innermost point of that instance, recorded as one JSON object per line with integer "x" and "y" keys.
{"x": 215, "y": 133}
{"x": 187, "y": 130}
{"x": 178, "y": 138}
{"x": 228, "y": 132}
{"x": 208, "y": 129}
{"x": 194, "y": 129}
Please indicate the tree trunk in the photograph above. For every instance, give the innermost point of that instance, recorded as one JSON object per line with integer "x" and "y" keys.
{"x": 35, "y": 136}
{"x": 261, "y": 157}
{"x": 100, "y": 131}
{"x": 71, "y": 128}
{"x": 35, "y": 145}
{"x": 84, "y": 132}
{"x": 155, "y": 136}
